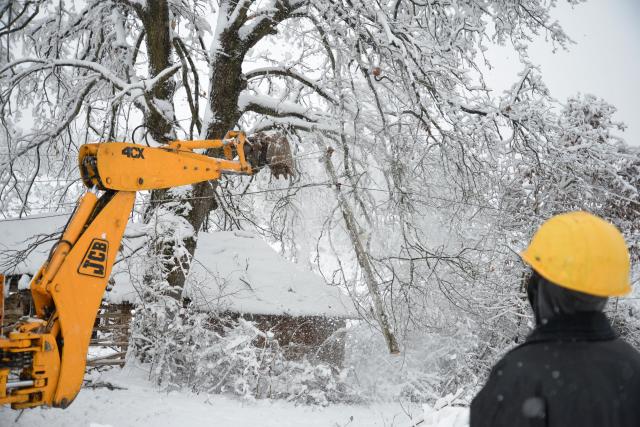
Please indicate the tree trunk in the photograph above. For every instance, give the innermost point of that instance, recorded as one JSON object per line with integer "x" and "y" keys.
{"x": 159, "y": 124}
{"x": 225, "y": 85}
{"x": 363, "y": 258}
{"x": 160, "y": 116}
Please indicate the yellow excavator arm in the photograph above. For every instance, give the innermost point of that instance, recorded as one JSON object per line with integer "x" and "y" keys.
{"x": 43, "y": 359}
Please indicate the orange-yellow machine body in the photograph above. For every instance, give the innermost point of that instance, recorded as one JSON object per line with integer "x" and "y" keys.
{"x": 43, "y": 359}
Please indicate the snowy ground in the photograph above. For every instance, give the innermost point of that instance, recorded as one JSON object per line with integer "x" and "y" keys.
{"x": 139, "y": 404}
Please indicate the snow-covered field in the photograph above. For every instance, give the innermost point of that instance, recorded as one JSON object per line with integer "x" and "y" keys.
{"x": 136, "y": 403}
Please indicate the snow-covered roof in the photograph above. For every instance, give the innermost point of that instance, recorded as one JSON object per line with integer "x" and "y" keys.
{"x": 19, "y": 234}
{"x": 231, "y": 271}
{"x": 240, "y": 272}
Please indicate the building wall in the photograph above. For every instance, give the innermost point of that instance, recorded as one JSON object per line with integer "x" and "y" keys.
{"x": 18, "y": 303}
{"x": 315, "y": 337}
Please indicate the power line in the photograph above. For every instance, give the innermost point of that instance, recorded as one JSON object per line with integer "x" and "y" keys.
{"x": 37, "y": 216}
{"x": 43, "y": 181}
{"x": 329, "y": 184}
{"x": 250, "y": 193}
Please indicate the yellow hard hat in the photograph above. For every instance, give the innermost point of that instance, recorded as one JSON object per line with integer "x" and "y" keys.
{"x": 582, "y": 252}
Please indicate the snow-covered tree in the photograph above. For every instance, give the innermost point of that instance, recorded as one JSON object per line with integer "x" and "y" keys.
{"x": 415, "y": 184}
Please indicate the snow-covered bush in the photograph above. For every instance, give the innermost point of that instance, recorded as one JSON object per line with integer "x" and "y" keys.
{"x": 232, "y": 356}
{"x": 625, "y": 318}
{"x": 430, "y": 364}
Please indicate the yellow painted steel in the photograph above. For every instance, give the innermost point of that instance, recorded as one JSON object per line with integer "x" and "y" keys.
{"x": 1, "y": 304}
{"x": 44, "y": 369}
{"x": 68, "y": 288}
{"x": 230, "y": 139}
{"x": 40, "y": 282}
{"x": 581, "y": 252}
{"x": 131, "y": 167}
{"x": 77, "y": 296}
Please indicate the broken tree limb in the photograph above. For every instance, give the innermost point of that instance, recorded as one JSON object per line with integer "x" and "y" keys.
{"x": 115, "y": 357}
{"x": 102, "y": 384}
{"x": 362, "y": 256}
{"x": 99, "y": 363}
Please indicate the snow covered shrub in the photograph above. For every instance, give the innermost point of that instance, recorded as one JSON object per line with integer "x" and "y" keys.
{"x": 317, "y": 383}
{"x": 158, "y": 335}
{"x": 225, "y": 355}
{"x": 625, "y": 319}
{"x": 161, "y": 322}
{"x": 429, "y": 366}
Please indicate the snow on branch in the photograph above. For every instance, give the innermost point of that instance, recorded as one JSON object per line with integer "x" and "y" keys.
{"x": 238, "y": 10}
{"x": 146, "y": 85}
{"x": 137, "y": 89}
{"x": 42, "y": 138}
{"x": 274, "y": 107}
{"x": 89, "y": 65}
{"x": 289, "y": 72}
{"x": 264, "y": 21}
{"x": 269, "y": 123}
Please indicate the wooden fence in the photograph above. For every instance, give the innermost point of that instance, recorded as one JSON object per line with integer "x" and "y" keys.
{"x": 110, "y": 332}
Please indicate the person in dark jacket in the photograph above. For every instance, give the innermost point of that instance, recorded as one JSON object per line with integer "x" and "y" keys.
{"x": 573, "y": 369}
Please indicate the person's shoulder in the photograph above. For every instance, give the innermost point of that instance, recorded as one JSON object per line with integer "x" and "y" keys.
{"x": 510, "y": 376}
{"x": 525, "y": 356}
{"x": 626, "y": 350}
{"x": 525, "y": 350}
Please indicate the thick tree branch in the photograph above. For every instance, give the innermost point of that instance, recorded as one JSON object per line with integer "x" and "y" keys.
{"x": 289, "y": 72}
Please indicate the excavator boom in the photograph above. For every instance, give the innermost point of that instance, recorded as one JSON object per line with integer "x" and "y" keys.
{"x": 130, "y": 167}
{"x": 43, "y": 359}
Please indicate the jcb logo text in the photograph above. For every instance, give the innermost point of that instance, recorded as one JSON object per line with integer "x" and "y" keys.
{"x": 94, "y": 262}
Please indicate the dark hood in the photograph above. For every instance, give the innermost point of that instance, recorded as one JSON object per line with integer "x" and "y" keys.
{"x": 549, "y": 300}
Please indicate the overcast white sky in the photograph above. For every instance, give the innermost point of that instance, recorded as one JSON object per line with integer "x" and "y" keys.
{"x": 605, "y": 60}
